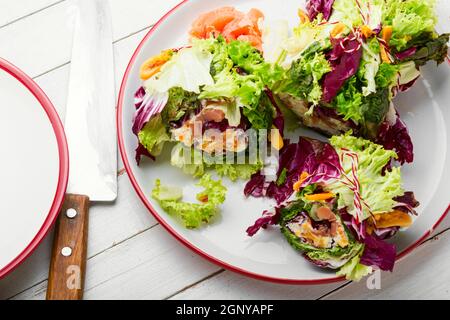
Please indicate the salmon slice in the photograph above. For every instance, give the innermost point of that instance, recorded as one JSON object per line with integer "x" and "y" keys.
{"x": 237, "y": 28}
{"x": 214, "y": 21}
{"x": 231, "y": 23}
{"x": 255, "y": 15}
{"x": 255, "y": 41}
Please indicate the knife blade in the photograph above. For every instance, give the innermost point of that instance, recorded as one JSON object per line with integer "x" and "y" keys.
{"x": 90, "y": 117}
{"x": 91, "y": 135}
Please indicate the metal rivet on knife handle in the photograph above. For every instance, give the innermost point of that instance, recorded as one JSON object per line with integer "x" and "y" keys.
{"x": 71, "y": 213}
{"x": 66, "y": 251}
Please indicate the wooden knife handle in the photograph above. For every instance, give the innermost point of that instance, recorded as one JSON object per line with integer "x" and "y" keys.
{"x": 68, "y": 264}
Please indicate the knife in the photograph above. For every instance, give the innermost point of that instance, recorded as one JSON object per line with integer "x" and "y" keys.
{"x": 91, "y": 136}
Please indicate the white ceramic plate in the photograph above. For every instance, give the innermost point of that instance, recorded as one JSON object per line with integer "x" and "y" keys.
{"x": 268, "y": 256}
{"x": 33, "y": 166}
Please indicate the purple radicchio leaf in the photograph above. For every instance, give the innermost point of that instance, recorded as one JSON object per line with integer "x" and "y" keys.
{"x": 268, "y": 218}
{"x": 406, "y": 54}
{"x": 318, "y": 159}
{"x": 407, "y": 203}
{"x": 378, "y": 253}
{"x": 315, "y": 7}
{"x": 256, "y": 187}
{"x": 139, "y": 97}
{"x": 395, "y": 136}
{"x": 141, "y": 151}
{"x": 323, "y": 166}
{"x": 357, "y": 229}
{"x": 147, "y": 107}
{"x": 385, "y": 233}
{"x": 345, "y": 59}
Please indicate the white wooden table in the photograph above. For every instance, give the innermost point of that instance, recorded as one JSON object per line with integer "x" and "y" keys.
{"x": 130, "y": 255}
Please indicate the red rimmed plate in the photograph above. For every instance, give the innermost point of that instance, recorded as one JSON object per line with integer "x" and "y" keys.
{"x": 34, "y": 166}
{"x": 268, "y": 256}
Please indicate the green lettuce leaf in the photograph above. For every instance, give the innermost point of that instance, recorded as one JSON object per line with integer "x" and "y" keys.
{"x": 189, "y": 69}
{"x": 347, "y": 12}
{"x": 434, "y": 49}
{"x": 154, "y": 135}
{"x": 227, "y": 81}
{"x": 282, "y": 178}
{"x": 303, "y": 78}
{"x": 275, "y": 35}
{"x": 337, "y": 255}
{"x": 250, "y": 60}
{"x": 351, "y": 12}
{"x": 237, "y": 171}
{"x": 180, "y": 102}
{"x": 409, "y": 19}
{"x": 359, "y": 104}
{"x": 192, "y": 214}
{"x": 387, "y": 75}
{"x": 260, "y": 116}
{"x": 379, "y": 187}
{"x": 353, "y": 270}
{"x": 165, "y": 193}
{"x": 240, "y": 73}
{"x": 282, "y": 49}
{"x": 374, "y": 108}
{"x": 190, "y": 160}
{"x": 408, "y": 72}
{"x": 349, "y": 100}
{"x": 195, "y": 164}
{"x": 249, "y": 91}
{"x": 370, "y": 65}
{"x": 291, "y": 211}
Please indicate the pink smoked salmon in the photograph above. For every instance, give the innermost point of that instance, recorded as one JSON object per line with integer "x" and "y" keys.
{"x": 231, "y": 24}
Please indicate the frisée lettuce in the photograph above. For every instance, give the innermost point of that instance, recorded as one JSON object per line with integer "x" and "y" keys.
{"x": 409, "y": 19}
{"x": 379, "y": 187}
{"x": 194, "y": 215}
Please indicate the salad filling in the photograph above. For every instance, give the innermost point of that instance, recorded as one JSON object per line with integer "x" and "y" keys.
{"x": 338, "y": 204}
{"x": 204, "y": 98}
{"x": 348, "y": 59}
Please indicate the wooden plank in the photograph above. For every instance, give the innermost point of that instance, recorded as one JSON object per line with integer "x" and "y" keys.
{"x": 134, "y": 15}
{"x": 12, "y": 11}
{"x": 230, "y": 286}
{"x": 423, "y": 275}
{"x": 151, "y": 265}
{"x": 31, "y": 272}
{"x": 41, "y": 42}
